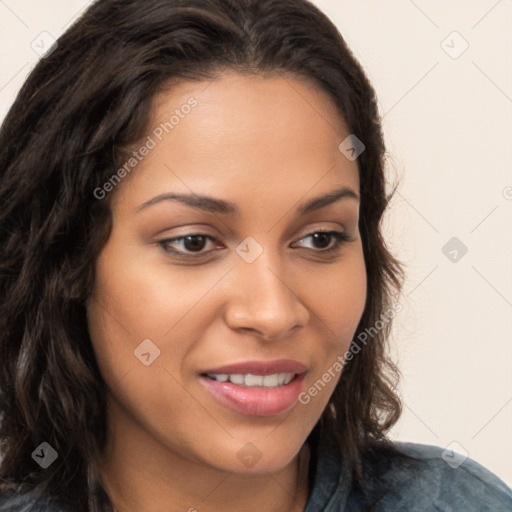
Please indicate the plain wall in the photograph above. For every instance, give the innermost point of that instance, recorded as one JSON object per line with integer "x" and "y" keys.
{"x": 448, "y": 127}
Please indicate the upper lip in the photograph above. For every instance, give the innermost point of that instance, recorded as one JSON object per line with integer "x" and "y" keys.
{"x": 259, "y": 367}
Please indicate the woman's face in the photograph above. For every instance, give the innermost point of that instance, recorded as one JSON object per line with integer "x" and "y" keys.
{"x": 256, "y": 289}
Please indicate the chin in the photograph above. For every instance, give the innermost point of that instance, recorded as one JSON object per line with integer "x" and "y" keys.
{"x": 256, "y": 457}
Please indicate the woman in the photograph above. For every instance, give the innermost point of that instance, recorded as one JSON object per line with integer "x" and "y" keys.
{"x": 191, "y": 266}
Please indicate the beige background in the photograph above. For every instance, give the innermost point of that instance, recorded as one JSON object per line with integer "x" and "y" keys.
{"x": 448, "y": 127}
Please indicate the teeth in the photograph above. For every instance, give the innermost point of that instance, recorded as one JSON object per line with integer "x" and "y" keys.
{"x": 236, "y": 378}
{"x": 288, "y": 377}
{"x": 249, "y": 380}
{"x": 253, "y": 380}
{"x": 269, "y": 381}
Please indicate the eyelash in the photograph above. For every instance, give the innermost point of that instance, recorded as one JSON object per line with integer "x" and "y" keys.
{"x": 340, "y": 238}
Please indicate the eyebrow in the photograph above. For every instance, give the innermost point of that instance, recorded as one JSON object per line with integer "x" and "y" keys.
{"x": 212, "y": 205}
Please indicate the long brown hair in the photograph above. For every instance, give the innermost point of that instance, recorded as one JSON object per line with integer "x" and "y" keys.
{"x": 63, "y": 137}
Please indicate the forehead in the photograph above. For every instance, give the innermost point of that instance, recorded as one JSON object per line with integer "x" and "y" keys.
{"x": 270, "y": 134}
{"x": 254, "y": 105}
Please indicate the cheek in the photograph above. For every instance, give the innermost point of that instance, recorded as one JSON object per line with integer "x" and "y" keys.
{"x": 340, "y": 298}
{"x": 138, "y": 297}
{"x": 339, "y": 305}
{"x": 143, "y": 294}
{"x": 131, "y": 304}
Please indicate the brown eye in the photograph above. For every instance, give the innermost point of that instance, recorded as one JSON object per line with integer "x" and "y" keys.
{"x": 193, "y": 243}
{"x": 323, "y": 239}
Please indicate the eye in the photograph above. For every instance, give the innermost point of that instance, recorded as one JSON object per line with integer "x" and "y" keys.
{"x": 193, "y": 244}
{"x": 324, "y": 239}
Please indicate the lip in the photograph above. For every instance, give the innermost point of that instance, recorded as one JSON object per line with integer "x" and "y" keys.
{"x": 260, "y": 367}
{"x": 257, "y": 400}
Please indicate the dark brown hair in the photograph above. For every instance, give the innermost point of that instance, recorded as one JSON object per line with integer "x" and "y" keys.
{"x": 63, "y": 137}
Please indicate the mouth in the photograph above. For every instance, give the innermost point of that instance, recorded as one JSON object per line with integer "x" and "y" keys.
{"x": 250, "y": 381}
{"x": 256, "y": 388}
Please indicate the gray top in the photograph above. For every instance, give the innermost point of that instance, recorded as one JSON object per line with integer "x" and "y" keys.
{"x": 427, "y": 482}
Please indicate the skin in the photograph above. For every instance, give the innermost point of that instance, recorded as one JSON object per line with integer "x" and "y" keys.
{"x": 266, "y": 144}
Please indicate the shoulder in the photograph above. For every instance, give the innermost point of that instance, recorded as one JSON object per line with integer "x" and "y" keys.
{"x": 419, "y": 477}
{"x": 26, "y": 503}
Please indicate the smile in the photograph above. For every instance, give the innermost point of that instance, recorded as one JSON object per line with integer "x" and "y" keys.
{"x": 256, "y": 388}
{"x": 249, "y": 380}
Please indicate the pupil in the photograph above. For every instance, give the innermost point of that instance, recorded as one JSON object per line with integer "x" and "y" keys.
{"x": 325, "y": 237}
{"x": 191, "y": 242}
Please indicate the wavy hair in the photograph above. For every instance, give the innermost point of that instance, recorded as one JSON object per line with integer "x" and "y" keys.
{"x": 81, "y": 107}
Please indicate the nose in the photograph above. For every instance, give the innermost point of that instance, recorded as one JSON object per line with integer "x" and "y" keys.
{"x": 262, "y": 300}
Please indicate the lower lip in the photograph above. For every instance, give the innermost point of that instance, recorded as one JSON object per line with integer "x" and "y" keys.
{"x": 255, "y": 401}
